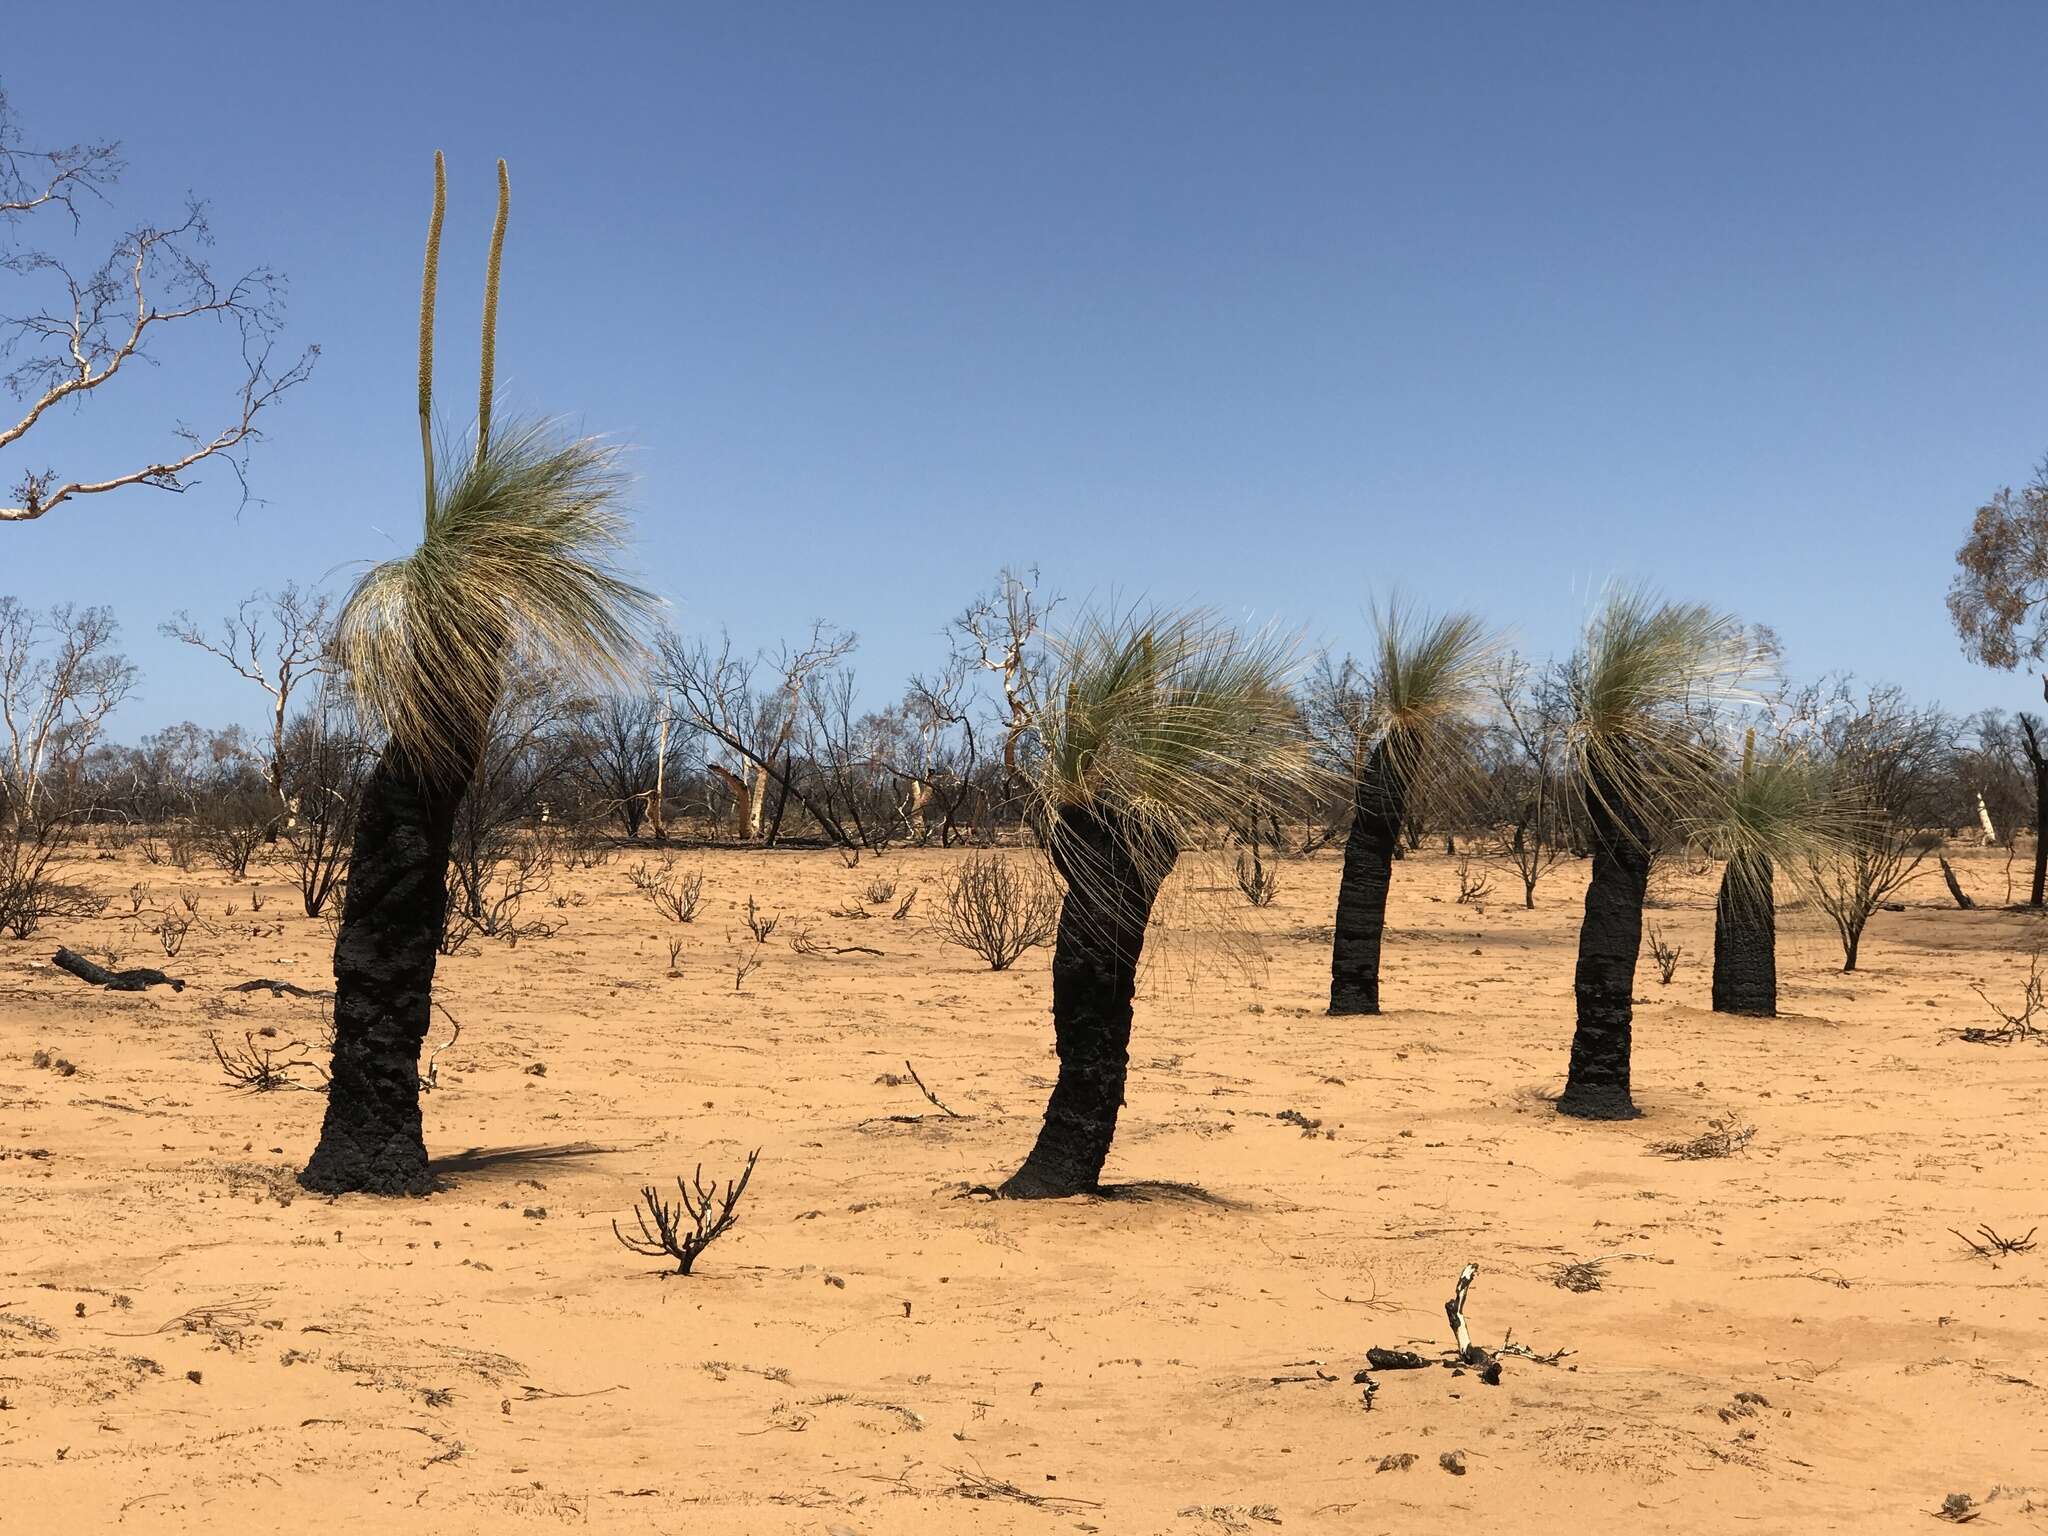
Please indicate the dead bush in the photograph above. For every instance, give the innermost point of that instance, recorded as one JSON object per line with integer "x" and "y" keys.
{"x": 30, "y": 894}
{"x": 676, "y": 894}
{"x": 997, "y": 908}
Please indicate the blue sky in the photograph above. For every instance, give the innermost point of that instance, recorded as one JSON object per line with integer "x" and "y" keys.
{"x": 1268, "y": 307}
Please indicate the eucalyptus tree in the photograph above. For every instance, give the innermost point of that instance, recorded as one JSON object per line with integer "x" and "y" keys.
{"x": 517, "y": 561}
{"x": 1153, "y": 731}
{"x": 1639, "y": 735}
{"x": 1998, "y": 603}
{"x": 1425, "y": 684}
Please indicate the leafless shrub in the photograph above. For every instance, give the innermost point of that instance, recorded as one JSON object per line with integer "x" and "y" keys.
{"x": 170, "y": 931}
{"x": 1474, "y": 885}
{"x": 675, "y": 893}
{"x": 1666, "y": 956}
{"x": 30, "y": 893}
{"x": 744, "y": 965}
{"x": 181, "y": 846}
{"x": 709, "y": 1212}
{"x": 997, "y": 909}
{"x": 262, "y": 1068}
{"x": 802, "y": 942}
{"x": 852, "y": 911}
{"x": 2016, "y": 1026}
{"x": 1723, "y": 1137}
{"x": 762, "y": 928}
{"x": 1259, "y": 884}
{"x": 675, "y": 957}
{"x": 1994, "y": 1246}
{"x": 190, "y": 901}
{"x": 138, "y": 898}
{"x": 484, "y": 901}
{"x": 257, "y": 900}
{"x": 879, "y": 891}
{"x": 232, "y": 831}
{"x": 903, "y": 907}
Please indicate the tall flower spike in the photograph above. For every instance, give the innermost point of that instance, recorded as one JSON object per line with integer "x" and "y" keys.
{"x": 428, "y": 281}
{"x": 490, "y": 346}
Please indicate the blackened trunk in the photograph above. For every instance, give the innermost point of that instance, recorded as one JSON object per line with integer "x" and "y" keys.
{"x": 1746, "y": 940}
{"x": 1375, "y": 842}
{"x": 2040, "y": 830}
{"x": 1112, "y": 880}
{"x": 1597, "y": 1087}
{"x": 384, "y": 954}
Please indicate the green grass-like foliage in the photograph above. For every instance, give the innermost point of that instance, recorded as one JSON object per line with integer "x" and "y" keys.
{"x": 1644, "y": 689}
{"x": 518, "y": 552}
{"x": 1779, "y": 810}
{"x": 1170, "y": 722}
{"x": 1428, "y": 681}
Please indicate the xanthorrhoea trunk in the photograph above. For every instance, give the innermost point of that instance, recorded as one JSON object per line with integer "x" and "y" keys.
{"x": 1746, "y": 940}
{"x": 1377, "y": 802}
{"x": 2040, "y": 831}
{"x": 384, "y": 954}
{"x": 1112, "y": 880}
{"x": 1610, "y": 937}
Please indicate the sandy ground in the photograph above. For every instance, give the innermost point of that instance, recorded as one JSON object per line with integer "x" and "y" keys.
{"x": 1788, "y": 1339}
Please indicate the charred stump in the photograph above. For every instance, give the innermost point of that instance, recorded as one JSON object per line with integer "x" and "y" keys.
{"x": 1746, "y": 940}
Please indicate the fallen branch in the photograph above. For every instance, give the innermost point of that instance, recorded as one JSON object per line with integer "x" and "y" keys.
{"x": 431, "y": 1078}
{"x": 933, "y": 1097}
{"x": 1954, "y": 888}
{"x": 1469, "y": 1353}
{"x": 139, "y": 980}
{"x": 1994, "y": 1244}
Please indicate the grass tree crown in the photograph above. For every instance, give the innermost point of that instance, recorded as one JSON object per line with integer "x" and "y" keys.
{"x": 1428, "y": 682}
{"x": 1644, "y": 690}
{"x": 518, "y": 554}
{"x": 1168, "y": 722}
{"x": 1780, "y": 808}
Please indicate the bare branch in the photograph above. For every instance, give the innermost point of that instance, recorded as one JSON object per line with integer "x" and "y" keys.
{"x": 95, "y": 320}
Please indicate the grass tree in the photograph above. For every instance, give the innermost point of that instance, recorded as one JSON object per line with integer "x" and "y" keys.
{"x": 1427, "y": 677}
{"x": 1639, "y": 690}
{"x": 1777, "y": 813}
{"x": 516, "y": 560}
{"x": 1154, "y": 731}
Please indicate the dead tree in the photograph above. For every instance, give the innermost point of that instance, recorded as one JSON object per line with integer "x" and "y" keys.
{"x": 1001, "y": 634}
{"x": 715, "y": 694}
{"x": 275, "y": 640}
{"x": 87, "y": 320}
{"x": 60, "y": 678}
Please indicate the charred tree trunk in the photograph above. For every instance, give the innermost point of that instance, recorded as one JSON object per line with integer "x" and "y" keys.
{"x": 1112, "y": 880}
{"x": 391, "y": 922}
{"x": 1377, "y": 802}
{"x": 2040, "y": 763}
{"x": 1955, "y": 887}
{"x": 1746, "y": 940}
{"x": 1597, "y": 1087}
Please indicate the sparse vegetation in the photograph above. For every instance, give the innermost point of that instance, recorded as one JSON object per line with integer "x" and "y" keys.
{"x": 708, "y": 1212}
{"x": 1724, "y": 1136}
{"x": 675, "y": 893}
{"x": 998, "y": 907}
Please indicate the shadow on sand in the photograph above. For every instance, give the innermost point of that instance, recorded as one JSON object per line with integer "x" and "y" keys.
{"x": 477, "y": 1162}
